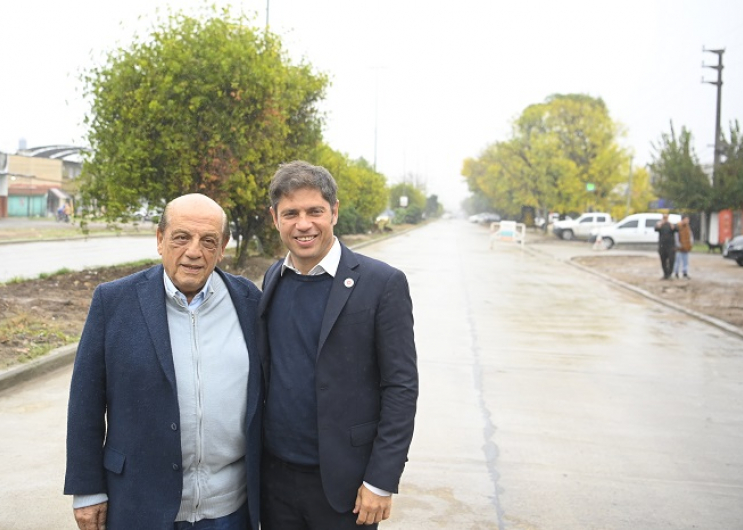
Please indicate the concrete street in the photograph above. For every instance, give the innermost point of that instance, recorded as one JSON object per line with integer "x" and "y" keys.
{"x": 550, "y": 399}
{"x": 28, "y": 260}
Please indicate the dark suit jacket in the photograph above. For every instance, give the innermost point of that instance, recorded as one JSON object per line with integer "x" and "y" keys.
{"x": 365, "y": 375}
{"x": 123, "y": 418}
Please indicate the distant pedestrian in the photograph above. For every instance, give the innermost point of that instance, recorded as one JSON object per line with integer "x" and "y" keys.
{"x": 666, "y": 245}
{"x": 684, "y": 240}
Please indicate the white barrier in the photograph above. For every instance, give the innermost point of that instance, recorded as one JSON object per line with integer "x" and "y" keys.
{"x": 507, "y": 231}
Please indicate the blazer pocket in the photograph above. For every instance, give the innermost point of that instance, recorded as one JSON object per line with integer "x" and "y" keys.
{"x": 113, "y": 460}
{"x": 345, "y": 319}
{"x": 364, "y": 433}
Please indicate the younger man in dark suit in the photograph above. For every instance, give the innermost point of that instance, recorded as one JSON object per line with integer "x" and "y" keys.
{"x": 340, "y": 365}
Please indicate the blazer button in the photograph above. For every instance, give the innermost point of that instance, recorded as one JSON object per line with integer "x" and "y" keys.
{"x": 176, "y": 467}
{"x": 174, "y": 426}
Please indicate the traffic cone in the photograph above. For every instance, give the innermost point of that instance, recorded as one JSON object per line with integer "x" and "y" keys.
{"x": 599, "y": 243}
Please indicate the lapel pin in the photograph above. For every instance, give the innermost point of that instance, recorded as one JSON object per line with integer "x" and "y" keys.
{"x": 348, "y": 282}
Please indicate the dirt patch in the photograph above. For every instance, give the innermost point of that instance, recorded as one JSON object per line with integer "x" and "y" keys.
{"x": 715, "y": 287}
{"x": 39, "y": 315}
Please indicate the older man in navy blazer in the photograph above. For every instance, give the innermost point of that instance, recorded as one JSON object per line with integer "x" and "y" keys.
{"x": 166, "y": 394}
{"x": 340, "y": 364}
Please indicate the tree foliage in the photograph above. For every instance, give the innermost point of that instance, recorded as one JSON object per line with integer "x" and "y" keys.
{"x": 203, "y": 104}
{"x": 728, "y": 183}
{"x": 556, "y": 150}
{"x": 412, "y": 213}
{"x": 640, "y": 195}
{"x": 433, "y": 207}
{"x": 362, "y": 192}
{"x": 677, "y": 174}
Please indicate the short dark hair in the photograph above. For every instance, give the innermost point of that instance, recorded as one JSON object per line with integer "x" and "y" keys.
{"x": 299, "y": 174}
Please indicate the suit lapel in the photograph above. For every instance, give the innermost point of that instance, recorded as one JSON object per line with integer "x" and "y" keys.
{"x": 151, "y": 293}
{"x": 345, "y": 279}
{"x": 270, "y": 280}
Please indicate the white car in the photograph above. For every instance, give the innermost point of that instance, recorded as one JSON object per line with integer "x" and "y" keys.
{"x": 635, "y": 229}
{"x": 582, "y": 227}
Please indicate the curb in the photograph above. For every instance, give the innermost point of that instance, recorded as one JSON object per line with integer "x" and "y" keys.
{"x": 734, "y": 330}
{"x": 21, "y": 373}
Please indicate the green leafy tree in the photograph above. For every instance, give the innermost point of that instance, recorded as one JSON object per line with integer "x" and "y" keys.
{"x": 557, "y": 151}
{"x": 362, "y": 192}
{"x": 640, "y": 195}
{"x": 677, "y": 174}
{"x": 433, "y": 207}
{"x": 416, "y": 203}
{"x": 203, "y": 104}
{"x": 728, "y": 183}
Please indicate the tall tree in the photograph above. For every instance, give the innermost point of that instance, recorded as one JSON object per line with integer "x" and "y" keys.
{"x": 362, "y": 191}
{"x": 201, "y": 104}
{"x": 563, "y": 155}
{"x": 728, "y": 184}
{"x": 416, "y": 203}
{"x": 676, "y": 172}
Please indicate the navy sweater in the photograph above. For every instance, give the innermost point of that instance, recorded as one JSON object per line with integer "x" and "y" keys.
{"x": 294, "y": 320}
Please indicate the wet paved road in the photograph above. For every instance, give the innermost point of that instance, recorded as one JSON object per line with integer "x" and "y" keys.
{"x": 549, "y": 400}
{"x": 28, "y": 260}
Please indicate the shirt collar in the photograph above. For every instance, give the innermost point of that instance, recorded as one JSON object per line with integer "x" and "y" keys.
{"x": 201, "y": 297}
{"x": 329, "y": 264}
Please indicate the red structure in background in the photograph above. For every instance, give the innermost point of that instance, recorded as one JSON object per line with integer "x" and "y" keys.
{"x": 726, "y": 225}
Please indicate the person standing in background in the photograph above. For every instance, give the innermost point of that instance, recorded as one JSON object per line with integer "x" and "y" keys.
{"x": 666, "y": 245}
{"x": 684, "y": 240}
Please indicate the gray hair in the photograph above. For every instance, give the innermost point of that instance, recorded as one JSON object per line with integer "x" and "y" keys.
{"x": 298, "y": 175}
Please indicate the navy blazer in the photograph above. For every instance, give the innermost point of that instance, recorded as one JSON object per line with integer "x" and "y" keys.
{"x": 123, "y": 417}
{"x": 366, "y": 378}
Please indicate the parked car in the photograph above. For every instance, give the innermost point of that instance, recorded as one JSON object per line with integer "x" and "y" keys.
{"x": 551, "y": 219}
{"x": 581, "y": 227}
{"x": 733, "y": 249}
{"x": 635, "y": 229}
{"x": 484, "y": 218}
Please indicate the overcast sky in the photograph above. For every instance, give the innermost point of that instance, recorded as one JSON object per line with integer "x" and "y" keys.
{"x": 418, "y": 85}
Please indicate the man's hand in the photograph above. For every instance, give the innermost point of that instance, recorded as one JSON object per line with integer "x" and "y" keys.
{"x": 371, "y": 508}
{"x": 92, "y": 517}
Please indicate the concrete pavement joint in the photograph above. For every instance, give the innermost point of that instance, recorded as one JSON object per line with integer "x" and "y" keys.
{"x": 489, "y": 448}
{"x": 725, "y": 326}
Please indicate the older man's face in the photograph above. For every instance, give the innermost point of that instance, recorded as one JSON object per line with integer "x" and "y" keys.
{"x": 192, "y": 244}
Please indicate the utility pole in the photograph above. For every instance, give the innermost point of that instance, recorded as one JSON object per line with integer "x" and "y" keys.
{"x": 718, "y": 84}
{"x": 718, "y": 132}
{"x": 268, "y": 6}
